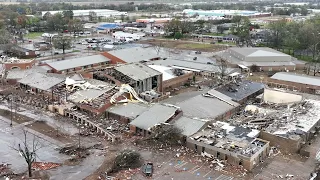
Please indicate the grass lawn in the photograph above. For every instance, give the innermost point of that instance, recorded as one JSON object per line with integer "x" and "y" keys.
{"x": 195, "y": 46}
{"x": 214, "y": 34}
{"x": 33, "y": 35}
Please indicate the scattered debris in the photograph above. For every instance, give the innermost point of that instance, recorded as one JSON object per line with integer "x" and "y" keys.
{"x": 44, "y": 165}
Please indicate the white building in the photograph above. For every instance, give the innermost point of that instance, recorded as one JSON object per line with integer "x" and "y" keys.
{"x": 99, "y": 12}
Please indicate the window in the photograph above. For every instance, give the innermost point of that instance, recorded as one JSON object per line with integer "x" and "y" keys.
{"x": 195, "y": 147}
{"x": 202, "y": 149}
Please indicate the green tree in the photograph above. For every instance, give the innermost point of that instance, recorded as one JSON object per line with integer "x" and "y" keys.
{"x": 177, "y": 35}
{"x": 75, "y": 25}
{"x": 56, "y": 23}
{"x": 241, "y": 28}
{"x": 277, "y": 34}
{"x": 68, "y": 14}
{"x": 62, "y": 42}
{"x": 92, "y": 16}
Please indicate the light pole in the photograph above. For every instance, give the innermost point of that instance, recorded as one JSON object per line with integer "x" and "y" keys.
{"x": 11, "y": 114}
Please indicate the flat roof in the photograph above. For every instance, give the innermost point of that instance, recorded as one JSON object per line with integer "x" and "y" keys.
{"x": 156, "y": 114}
{"x": 206, "y": 107}
{"x": 135, "y": 54}
{"x": 241, "y": 90}
{"x": 137, "y": 71}
{"x": 189, "y": 126}
{"x": 77, "y": 62}
{"x": 42, "y": 81}
{"x": 19, "y": 74}
{"x": 128, "y": 110}
{"x": 297, "y": 78}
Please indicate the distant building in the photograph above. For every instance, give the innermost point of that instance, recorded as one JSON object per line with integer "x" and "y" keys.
{"x": 225, "y": 13}
{"x": 265, "y": 59}
{"x": 86, "y": 13}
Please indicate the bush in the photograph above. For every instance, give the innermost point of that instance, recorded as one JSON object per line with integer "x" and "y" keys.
{"x": 127, "y": 159}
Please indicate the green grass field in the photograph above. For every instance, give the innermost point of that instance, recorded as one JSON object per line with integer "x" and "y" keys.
{"x": 196, "y": 46}
{"x": 33, "y": 35}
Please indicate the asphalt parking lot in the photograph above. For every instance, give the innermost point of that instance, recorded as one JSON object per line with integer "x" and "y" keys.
{"x": 183, "y": 170}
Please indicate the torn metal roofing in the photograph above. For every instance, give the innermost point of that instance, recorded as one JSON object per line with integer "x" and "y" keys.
{"x": 77, "y": 62}
{"x": 156, "y": 114}
{"x": 297, "y": 78}
{"x": 137, "y": 71}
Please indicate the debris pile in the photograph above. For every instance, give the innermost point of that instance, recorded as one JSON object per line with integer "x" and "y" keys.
{"x": 44, "y": 165}
{"x": 5, "y": 170}
{"x": 76, "y": 153}
{"x": 127, "y": 159}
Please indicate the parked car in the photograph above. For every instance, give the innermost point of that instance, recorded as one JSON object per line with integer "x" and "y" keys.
{"x": 147, "y": 169}
{"x": 198, "y": 52}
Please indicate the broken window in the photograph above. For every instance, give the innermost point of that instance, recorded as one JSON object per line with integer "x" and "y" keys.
{"x": 154, "y": 82}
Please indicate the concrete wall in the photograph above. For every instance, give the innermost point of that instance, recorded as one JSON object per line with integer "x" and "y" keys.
{"x": 285, "y": 144}
{"x": 280, "y": 97}
{"x": 177, "y": 81}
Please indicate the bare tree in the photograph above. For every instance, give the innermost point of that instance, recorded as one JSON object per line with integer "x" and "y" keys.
{"x": 27, "y": 151}
{"x": 222, "y": 67}
{"x": 158, "y": 47}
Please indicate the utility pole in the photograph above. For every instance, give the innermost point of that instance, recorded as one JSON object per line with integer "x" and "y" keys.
{"x": 11, "y": 114}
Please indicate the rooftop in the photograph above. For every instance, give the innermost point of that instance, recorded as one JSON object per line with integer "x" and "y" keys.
{"x": 235, "y": 139}
{"x": 240, "y": 90}
{"x": 137, "y": 71}
{"x": 77, "y": 62}
{"x": 19, "y": 74}
{"x": 95, "y": 89}
{"x": 189, "y": 126}
{"x": 128, "y": 110}
{"x": 258, "y": 52}
{"x": 167, "y": 72}
{"x": 297, "y": 78}
{"x": 156, "y": 114}
{"x": 207, "y": 106}
{"x": 42, "y": 81}
{"x": 135, "y": 54}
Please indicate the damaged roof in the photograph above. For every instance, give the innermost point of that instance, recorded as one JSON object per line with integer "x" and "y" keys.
{"x": 77, "y": 62}
{"x": 42, "y": 81}
{"x": 19, "y": 74}
{"x": 241, "y": 90}
{"x": 137, "y": 71}
{"x": 189, "y": 126}
{"x": 128, "y": 110}
{"x": 156, "y": 114}
{"x": 207, "y": 107}
{"x": 297, "y": 78}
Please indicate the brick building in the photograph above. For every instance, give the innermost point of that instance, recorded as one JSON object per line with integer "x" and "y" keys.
{"x": 18, "y": 64}
{"x": 76, "y": 65}
{"x": 300, "y": 82}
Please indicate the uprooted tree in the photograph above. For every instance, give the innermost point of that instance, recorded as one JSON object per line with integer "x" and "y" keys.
{"x": 127, "y": 159}
{"x": 28, "y": 151}
{"x": 165, "y": 134}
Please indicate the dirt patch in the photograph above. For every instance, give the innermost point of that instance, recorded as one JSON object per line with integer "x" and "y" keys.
{"x": 43, "y": 128}
{"x": 105, "y": 167}
{"x": 15, "y": 116}
{"x": 184, "y": 45}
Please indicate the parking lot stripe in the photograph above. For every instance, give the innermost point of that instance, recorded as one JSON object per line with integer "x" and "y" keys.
{"x": 181, "y": 165}
{"x": 224, "y": 177}
{"x": 196, "y": 169}
{"x": 193, "y": 168}
{"x": 207, "y": 173}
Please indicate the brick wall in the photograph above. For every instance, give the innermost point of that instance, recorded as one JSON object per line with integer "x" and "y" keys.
{"x": 25, "y": 65}
{"x": 292, "y": 85}
{"x": 177, "y": 81}
{"x": 285, "y": 144}
{"x": 113, "y": 59}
